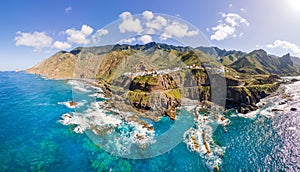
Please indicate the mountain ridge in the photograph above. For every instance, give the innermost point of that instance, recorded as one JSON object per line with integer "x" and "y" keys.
{"x": 134, "y": 72}
{"x": 259, "y": 60}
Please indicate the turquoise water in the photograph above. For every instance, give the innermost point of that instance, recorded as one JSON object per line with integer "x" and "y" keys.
{"x": 31, "y": 139}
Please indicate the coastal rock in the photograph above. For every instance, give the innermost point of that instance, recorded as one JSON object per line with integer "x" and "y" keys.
{"x": 281, "y": 103}
{"x": 150, "y": 83}
{"x": 155, "y": 94}
{"x": 247, "y": 110}
{"x": 245, "y": 98}
{"x": 171, "y": 113}
{"x": 141, "y": 77}
{"x": 294, "y": 109}
{"x": 277, "y": 110}
{"x": 71, "y": 103}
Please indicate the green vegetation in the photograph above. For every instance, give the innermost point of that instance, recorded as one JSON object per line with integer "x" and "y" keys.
{"x": 205, "y": 92}
{"x": 228, "y": 60}
{"x": 266, "y": 88}
{"x": 190, "y": 58}
{"x": 146, "y": 79}
{"x": 138, "y": 97}
{"x": 175, "y": 93}
{"x": 259, "y": 62}
{"x": 117, "y": 69}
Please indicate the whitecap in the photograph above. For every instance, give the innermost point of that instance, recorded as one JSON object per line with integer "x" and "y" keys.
{"x": 79, "y": 85}
{"x": 199, "y": 139}
{"x": 72, "y": 105}
{"x": 292, "y": 128}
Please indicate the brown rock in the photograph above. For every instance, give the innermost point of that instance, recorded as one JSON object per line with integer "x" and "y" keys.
{"x": 71, "y": 103}
{"x": 171, "y": 113}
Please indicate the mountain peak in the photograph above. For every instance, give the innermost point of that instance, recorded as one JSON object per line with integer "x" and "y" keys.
{"x": 287, "y": 55}
{"x": 286, "y": 59}
{"x": 259, "y": 51}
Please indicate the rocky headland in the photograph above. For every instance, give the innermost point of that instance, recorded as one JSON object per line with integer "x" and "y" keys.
{"x": 155, "y": 78}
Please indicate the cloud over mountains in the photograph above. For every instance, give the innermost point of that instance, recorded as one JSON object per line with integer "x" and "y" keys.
{"x": 142, "y": 27}
{"x": 228, "y": 26}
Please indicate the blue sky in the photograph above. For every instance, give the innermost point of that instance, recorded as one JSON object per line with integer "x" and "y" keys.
{"x": 33, "y": 30}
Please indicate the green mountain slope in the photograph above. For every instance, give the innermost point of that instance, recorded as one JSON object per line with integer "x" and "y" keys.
{"x": 223, "y": 56}
{"x": 259, "y": 62}
{"x": 153, "y": 78}
{"x": 296, "y": 62}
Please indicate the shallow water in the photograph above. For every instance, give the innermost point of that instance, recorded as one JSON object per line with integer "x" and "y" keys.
{"x": 32, "y": 139}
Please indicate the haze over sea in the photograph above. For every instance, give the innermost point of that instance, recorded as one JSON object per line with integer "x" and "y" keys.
{"x": 32, "y": 139}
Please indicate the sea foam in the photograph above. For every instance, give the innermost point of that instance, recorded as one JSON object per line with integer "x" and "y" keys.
{"x": 101, "y": 119}
{"x": 199, "y": 137}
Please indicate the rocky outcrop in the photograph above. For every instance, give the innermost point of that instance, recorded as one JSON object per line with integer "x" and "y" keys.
{"x": 150, "y": 83}
{"x": 245, "y": 98}
{"x": 155, "y": 94}
{"x": 118, "y": 68}
{"x": 294, "y": 109}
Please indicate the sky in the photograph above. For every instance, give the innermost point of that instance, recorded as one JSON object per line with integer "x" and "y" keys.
{"x": 33, "y": 30}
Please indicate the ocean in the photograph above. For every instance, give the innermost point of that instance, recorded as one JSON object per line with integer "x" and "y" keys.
{"x": 33, "y": 137}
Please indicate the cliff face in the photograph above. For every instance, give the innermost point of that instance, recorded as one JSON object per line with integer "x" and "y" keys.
{"x": 245, "y": 98}
{"x": 150, "y": 83}
{"x": 157, "y": 94}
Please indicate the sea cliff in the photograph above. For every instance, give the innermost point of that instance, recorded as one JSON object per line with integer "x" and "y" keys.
{"x": 154, "y": 78}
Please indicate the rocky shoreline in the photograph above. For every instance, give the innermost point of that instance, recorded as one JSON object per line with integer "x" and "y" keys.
{"x": 244, "y": 99}
{"x": 283, "y": 95}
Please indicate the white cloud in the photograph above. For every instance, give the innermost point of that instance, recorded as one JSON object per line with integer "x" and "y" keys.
{"x": 148, "y": 15}
{"x": 151, "y": 23}
{"x": 61, "y": 45}
{"x": 79, "y": 36}
{"x": 178, "y": 30}
{"x": 156, "y": 24}
{"x": 125, "y": 15}
{"x": 86, "y": 30}
{"x": 129, "y": 24}
{"x": 293, "y": 48}
{"x": 127, "y": 41}
{"x": 97, "y": 36}
{"x": 243, "y": 10}
{"x": 68, "y": 9}
{"x": 145, "y": 39}
{"x": 228, "y": 26}
{"x": 38, "y": 40}
{"x": 235, "y": 20}
{"x": 221, "y": 32}
{"x": 230, "y": 5}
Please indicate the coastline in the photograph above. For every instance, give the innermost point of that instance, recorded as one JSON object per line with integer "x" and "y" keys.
{"x": 199, "y": 138}
{"x": 239, "y": 131}
{"x": 279, "y": 91}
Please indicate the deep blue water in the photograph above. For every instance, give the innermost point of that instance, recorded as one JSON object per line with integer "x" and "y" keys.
{"x": 31, "y": 139}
